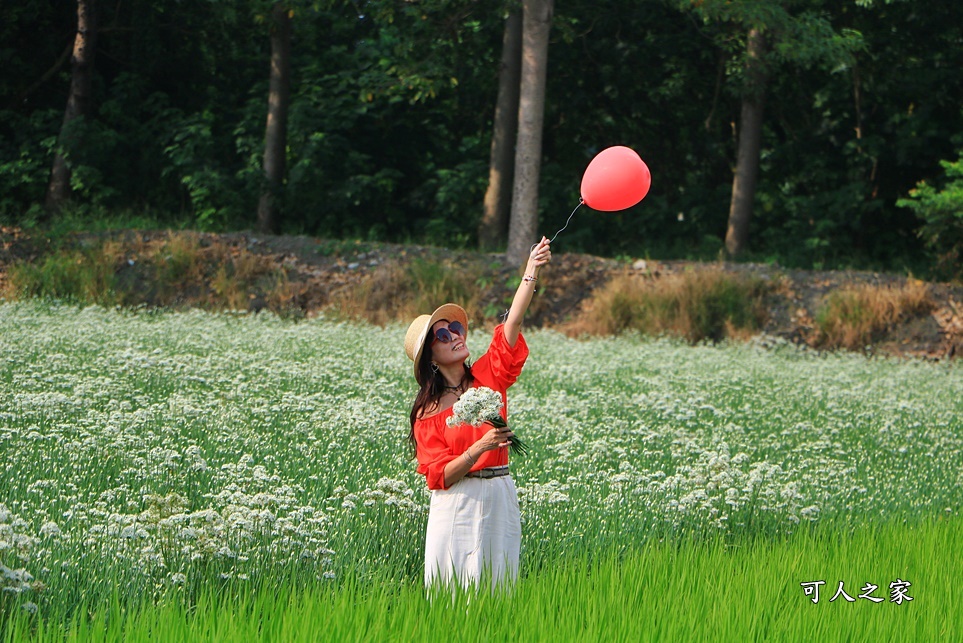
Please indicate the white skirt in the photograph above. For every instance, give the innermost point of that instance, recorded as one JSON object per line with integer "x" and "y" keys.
{"x": 474, "y": 530}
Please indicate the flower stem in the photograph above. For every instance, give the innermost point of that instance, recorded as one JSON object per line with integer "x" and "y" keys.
{"x": 517, "y": 446}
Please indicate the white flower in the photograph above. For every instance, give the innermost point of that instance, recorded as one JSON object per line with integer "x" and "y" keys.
{"x": 476, "y": 406}
{"x": 50, "y": 529}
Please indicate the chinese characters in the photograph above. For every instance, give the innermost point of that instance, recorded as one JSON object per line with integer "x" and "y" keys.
{"x": 897, "y": 592}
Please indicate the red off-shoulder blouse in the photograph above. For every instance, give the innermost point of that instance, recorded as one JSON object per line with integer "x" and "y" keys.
{"x": 437, "y": 444}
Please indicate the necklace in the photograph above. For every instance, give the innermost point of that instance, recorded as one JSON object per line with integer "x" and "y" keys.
{"x": 454, "y": 389}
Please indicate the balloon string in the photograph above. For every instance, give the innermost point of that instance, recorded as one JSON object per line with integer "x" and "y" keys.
{"x": 580, "y": 202}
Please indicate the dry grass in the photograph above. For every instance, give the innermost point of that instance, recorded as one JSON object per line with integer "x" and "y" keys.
{"x": 950, "y": 320}
{"x": 172, "y": 270}
{"x": 401, "y": 292}
{"x": 84, "y": 275}
{"x": 853, "y": 317}
{"x": 696, "y": 304}
{"x": 186, "y": 269}
{"x": 239, "y": 278}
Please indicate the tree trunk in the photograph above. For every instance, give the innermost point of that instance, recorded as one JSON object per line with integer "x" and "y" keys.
{"x": 275, "y": 133}
{"x": 750, "y": 142}
{"x": 78, "y": 103}
{"x": 536, "y": 24}
{"x": 493, "y": 229}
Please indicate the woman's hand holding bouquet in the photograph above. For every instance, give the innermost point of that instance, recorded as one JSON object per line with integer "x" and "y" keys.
{"x": 477, "y": 406}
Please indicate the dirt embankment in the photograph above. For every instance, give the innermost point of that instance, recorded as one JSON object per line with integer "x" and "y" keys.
{"x": 317, "y": 272}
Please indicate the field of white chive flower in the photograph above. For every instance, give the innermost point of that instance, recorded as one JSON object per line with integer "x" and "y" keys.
{"x": 151, "y": 455}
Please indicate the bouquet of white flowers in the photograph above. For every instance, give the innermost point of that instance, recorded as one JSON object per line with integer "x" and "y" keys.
{"x": 479, "y": 405}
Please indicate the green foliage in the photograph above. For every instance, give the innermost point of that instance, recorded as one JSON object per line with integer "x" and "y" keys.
{"x": 941, "y": 213}
{"x": 24, "y": 160}
{"x": 211, "y": 190}
{"x": 391, "y": 107}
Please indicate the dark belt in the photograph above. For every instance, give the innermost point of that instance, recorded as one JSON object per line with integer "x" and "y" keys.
{"x": 491, "y": 472}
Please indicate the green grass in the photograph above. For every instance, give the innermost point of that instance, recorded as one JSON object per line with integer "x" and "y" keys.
{"x": 78, "y": 217}
{"x": 85, "y": 275}
{"x": 655, "y": 592}
{"x": 159, "y": 461}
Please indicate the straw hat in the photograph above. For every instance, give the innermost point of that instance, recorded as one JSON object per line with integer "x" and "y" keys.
{"x": 418, "y": 331}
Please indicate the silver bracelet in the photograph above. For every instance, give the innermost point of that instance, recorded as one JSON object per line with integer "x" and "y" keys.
{"x": 468, "y": 457}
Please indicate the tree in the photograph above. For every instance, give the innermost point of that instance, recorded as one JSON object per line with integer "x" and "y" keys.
{"x": 941, "y": 212}
{"x": 275, "y": 132}
{"x": 78, "y": 102}
{"x": 492, "y": 230}
{"x": 793, "y": 32}
{"x": 536, "y": 24}
{"x": 389, "y": 137}
{"x": 750, "y": 143}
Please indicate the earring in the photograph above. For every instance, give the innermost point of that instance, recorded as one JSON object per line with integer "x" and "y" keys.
{"x": 434, "y": 367}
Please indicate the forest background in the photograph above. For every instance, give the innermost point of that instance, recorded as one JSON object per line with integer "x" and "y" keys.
{"x": 389, "y": 111}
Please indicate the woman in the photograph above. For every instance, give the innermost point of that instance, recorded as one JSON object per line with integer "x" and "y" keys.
{"x": 474, "y": 525}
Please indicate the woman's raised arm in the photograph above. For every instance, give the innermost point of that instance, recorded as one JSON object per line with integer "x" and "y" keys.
{"x": 541, "y": 254}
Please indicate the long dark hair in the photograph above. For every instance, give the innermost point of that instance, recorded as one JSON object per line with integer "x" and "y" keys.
{"x": 432, "y": 388}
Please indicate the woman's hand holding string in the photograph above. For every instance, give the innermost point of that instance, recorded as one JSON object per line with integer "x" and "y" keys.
{"x": 540, "y": 255}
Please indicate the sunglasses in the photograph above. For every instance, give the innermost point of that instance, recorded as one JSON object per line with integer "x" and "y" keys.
{"x": 444, "y": 335}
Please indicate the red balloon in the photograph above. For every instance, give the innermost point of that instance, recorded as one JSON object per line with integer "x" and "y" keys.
{"x": 616, "y": 179}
